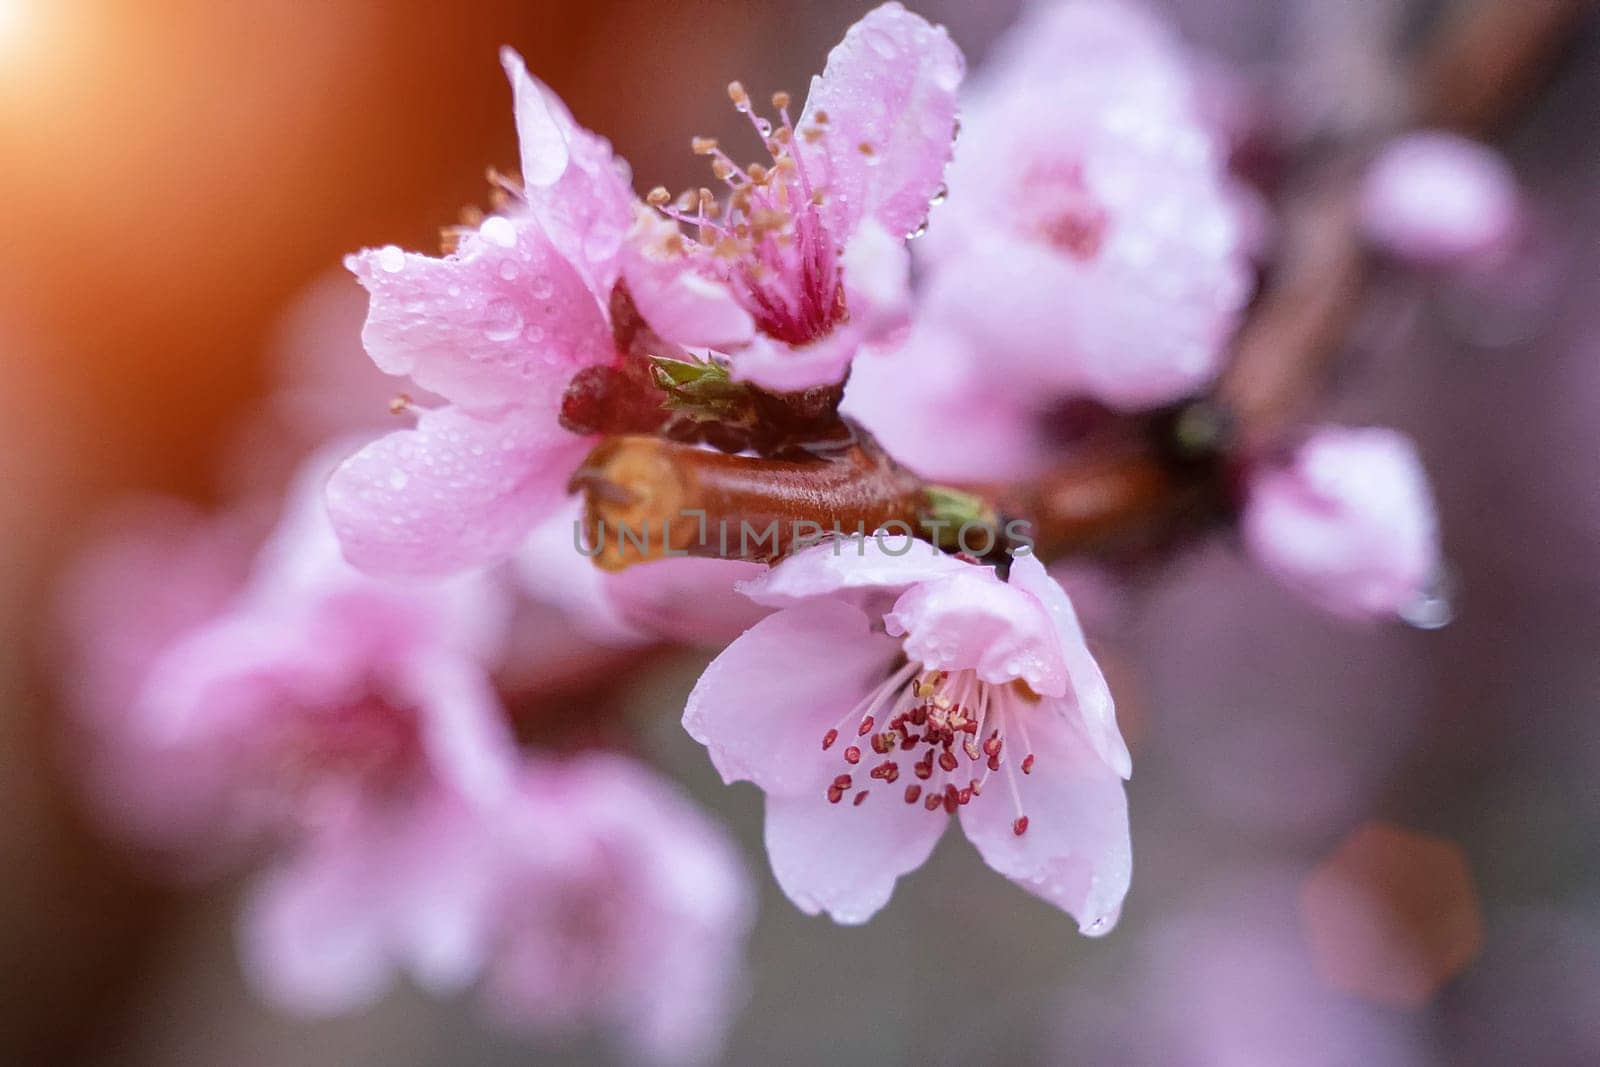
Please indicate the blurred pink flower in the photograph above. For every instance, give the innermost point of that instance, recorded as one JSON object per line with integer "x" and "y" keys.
{"x": 1433, "y": 197}
{"x": 808, "y": 262}
{"x": 891, "y": 647}
{"x": 319, "y": 697}
{"x": 617, "y": 902}
{"x": 592, "y": 893}
{"x": 1090, "y": 245}
{"x": 1347, "y": 522}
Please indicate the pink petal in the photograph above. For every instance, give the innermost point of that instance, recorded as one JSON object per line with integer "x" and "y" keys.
{"x": 454, "y": 492}
{"x": 312, "y": 937}
{"x": 1434, "y": 197}
{"x": 877, "y": 281}
{"x": 934, "y": 378}
{"x": 689, "y": 600}
{"x": 575, "y": 186}
{"x": 1075, "y": 852}
{"x": 762, "y": 707}
{"x": 1089, "y": 688}
{"x": 785, "y": 368}
{"x": 681, "y": 304}
{"x": 464, "y": 724}
{"x": 504, "y": 320}
{"x": 891, "y": 85}
{"x": 878, "y": 566}
{"x": 971, "y": 620}
{"x": 844, "y": 859}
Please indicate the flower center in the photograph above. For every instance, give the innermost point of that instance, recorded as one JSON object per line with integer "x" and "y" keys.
{"x": 368, "y": 745}
{"x": 1061, "y": 212}
{"x": 948, "y": 727}
{"x": 765, "y": 238}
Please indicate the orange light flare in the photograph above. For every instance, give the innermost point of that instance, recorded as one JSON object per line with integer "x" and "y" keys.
{"x": 1391, "y": 915}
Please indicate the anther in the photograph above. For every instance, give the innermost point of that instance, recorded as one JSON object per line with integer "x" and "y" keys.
{"x": 703, "y": 146}
{"x": 835, "y": 794}
{"x": 947, "y": 760}
{"x": 866, "y": 726}
{"x": 1020, "y": 827}
{"x": 932, "y": 801}
{"x": 852, "y": 755}
{"x": 859, "y": 798}
{"x": 658, "y": 197}
{"x": 740, "y": 98}
{"x": 865, "y": 148}
{"x": 843, "y": 781}
{"x": 1027, "y": 763}
{"x": 882, "y": 743}
{"x": 820, "y": 118}
{"x": 780, "y": 100}
{"x": 400, "y": 404}
{"x": 828, "y": 739}
{"x": 913, "y": 791}
{"x": 952, "y": 799}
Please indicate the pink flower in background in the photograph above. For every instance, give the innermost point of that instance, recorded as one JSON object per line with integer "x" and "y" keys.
{"x": 319, "y": 698}
{"x": 806, "y": 260}
{"x": 1090, "y": 245}
{"x": 159, "y": 570}
{"x": 892, "y": 691}
{"x": 1435, "y": 197}
{"x": 591, "y": 894}
{"x": 1347, "y": 522}
{"x": 618, "y": 903}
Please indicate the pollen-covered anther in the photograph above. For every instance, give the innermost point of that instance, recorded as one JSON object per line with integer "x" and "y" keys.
{"x": 400, "y": 404}
{"x": 780, "y": 100}
{"x": 828, "y": 739}
{"x": 852, "y": 755}
{"x": 703, "y": 146}
{"x": 658, "y": 197}
{"x": 740, "y": 98}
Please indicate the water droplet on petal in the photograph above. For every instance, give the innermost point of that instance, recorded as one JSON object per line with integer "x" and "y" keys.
{"x": 940, "y": 195}
{"x": 882, "y": 43}
{"x": 391, "y": 259}
{"x": 509, "y": 270}
{"x": 503, "y": 322}
{"x": 1434, "y": 607}
{"x": 543, "y": 288}
{"x": 497, "y": 230}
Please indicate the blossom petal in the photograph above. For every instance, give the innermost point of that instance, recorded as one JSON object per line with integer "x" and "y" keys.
{"x": 312, "y": 937}
{"x": 505, "y": 319}
{"x": 453, "y": 492}
{"x": 762, "y": 707}
{"x": 689, "y": 600}
{"x": 879, "y": 566}
{"x": 890, "y": 86}
{"x": 784, "y": 368}
{"x": 463, "y": 725}
{"x": 973, "y": 620}
{"x": 877, "y": 280}
{"x": 573, "y": 182}
{"x": 844, "y": 859}
{"x": 676, "y": 299}
{"x": 1075, "y": 852}
{"x": 1089, "y": 685}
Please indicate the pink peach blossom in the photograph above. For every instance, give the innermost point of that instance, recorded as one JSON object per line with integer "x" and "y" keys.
{"x": 810, "y": 264}
{"x": 318, "y": 695}
{"x": 591, "y": 894}
{"x": 1347, "y": 522}
{"x": 1434, "y": 197}
{"x": 889, "y": 661}
{"x": 1090, "y": 246}
{"x": 807, "y": 260}
{"x": 617, "y": 902}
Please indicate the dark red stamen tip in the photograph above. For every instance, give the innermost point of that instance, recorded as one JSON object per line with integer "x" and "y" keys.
{"x": 852, "y": 755}
{"x": 913, "y": 791}
{"x": 1027, "y": 763}
{"x": 859, "y": 798}
{"x": 1020, "y": 827}
{"x": 828, "y": 739}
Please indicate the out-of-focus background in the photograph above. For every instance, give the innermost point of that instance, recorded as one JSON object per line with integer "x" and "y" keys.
{"x": 1353, "y": 845}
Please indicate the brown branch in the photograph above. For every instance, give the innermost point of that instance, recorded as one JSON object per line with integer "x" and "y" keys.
{"x": 1149, "y": 486}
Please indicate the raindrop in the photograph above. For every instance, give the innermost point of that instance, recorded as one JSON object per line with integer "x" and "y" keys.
{"x": 391, "y": 259}
{"x": 1434, "y": 607}
{"x": 398, "y": 479}
{"x": 509, "y": 270}
{"x": 882, "y": 44}
{"x": 922, "y": 228}
{"x": 940, "y": 195}
{"x": 504, "y": 322}
{"x": 497, "y": 230}
{"x": 543, "y": 288}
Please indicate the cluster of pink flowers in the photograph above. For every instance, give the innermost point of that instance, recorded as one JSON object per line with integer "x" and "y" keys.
{"x": 331, "y": 705}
